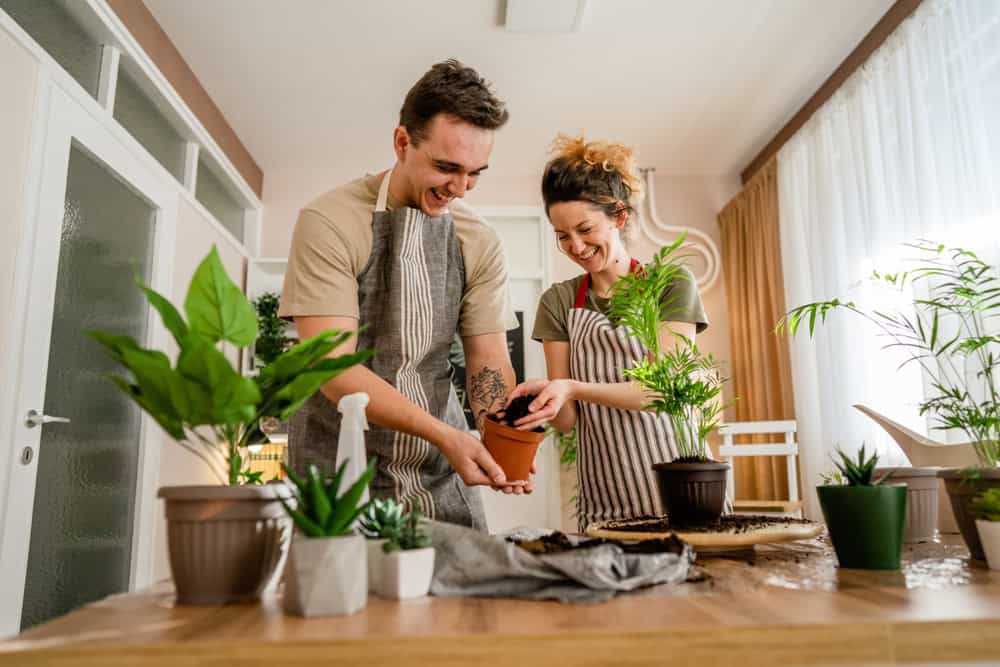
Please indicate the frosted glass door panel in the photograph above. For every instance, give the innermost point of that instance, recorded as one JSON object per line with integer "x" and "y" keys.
{"x": 81, "y": 534}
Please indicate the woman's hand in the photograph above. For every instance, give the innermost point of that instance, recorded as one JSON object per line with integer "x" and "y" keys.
{"x": 552, "y": 395}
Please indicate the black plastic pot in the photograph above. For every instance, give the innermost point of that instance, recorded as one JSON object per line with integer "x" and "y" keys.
{"x": 692, "y": 493}
{"x": 962, "y": 486}
{"x": 865, "y": 524}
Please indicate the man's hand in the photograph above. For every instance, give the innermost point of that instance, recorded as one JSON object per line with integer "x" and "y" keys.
{"x": 469, "y": 458}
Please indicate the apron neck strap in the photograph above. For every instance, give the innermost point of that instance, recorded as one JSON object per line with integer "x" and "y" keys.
{"x": 581, "y": 293}
{"x": 383, "y": 192}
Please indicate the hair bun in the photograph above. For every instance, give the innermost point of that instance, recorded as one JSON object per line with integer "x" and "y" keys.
{"x": 609, "y": 157}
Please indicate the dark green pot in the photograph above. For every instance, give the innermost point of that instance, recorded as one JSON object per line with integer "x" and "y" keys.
{"x": 865, "y": 524}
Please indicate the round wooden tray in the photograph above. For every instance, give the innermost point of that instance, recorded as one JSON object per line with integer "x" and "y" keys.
{"x": 771, "y": 529}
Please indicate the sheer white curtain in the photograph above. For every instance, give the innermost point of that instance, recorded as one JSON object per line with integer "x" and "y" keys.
{"x": 907, "y": 149}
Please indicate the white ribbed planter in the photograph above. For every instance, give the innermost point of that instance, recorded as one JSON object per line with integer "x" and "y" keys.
{"x": 989, "y": 535}
{"x": 226, "y": 543}
{"x": 406, "y": 574}
{"x": 327, "y": 576}
{"x": 375, "y": 556}
{"x": 921, "y": 499}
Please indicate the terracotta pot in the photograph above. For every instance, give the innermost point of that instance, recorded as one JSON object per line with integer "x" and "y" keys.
{"x": 692, "y": 493}
{"x": 512, "y": 449}
{"x": 327, "y": 576}
{"x": 961, "y": 491}
{"x": 226, "y": 543}
{"x": 921, "y": 499}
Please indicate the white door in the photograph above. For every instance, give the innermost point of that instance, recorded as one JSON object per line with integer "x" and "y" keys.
{"x": 80, "y": 478}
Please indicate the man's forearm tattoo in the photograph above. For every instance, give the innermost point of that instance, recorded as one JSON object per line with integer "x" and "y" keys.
{"x": 488, "y": 391}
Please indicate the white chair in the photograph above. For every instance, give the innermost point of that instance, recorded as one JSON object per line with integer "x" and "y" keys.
{"x": 789, "y": 449}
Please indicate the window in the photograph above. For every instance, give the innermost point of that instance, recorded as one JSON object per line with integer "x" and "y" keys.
{"x": 217, "y": 198}
{"x": 62, "y": 35}
{"x": 138, "y": 114}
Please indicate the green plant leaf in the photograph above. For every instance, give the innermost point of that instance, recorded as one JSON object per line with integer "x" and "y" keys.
{"x": 347, "y": 503}
{"x": 232, "y": 398}
{"x": 216, "y": 308}
{"x": 321, "y": 506}
{"x": 172, "y": 319}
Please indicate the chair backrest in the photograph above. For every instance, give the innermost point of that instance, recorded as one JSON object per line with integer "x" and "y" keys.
{"x": 788, "y": 448}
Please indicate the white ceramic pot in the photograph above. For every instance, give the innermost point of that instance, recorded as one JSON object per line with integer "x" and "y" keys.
{"x": 922, "y": 494}
{"x": 326, "y": 576}
{"x": 406, "y": 574}
{"x": 375, "y": 556}
{"x": 989, "y": 535}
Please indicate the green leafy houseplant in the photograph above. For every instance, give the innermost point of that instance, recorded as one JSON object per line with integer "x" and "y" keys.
{"x": 320, "y": 509}
{"x": 202, "y": 401}
{"x": 987, "y": 505}
{"x": 271, "y": 338}
{"x": 947, "y": 331}
{"x": 382, "y": 518}
{"x": 854, "y": 473}
{"x": 685, "y": 383}
{"x": 410, "y": 534}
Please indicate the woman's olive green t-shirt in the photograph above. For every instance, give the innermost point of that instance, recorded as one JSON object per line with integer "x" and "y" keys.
{"x": 681, "y": 303}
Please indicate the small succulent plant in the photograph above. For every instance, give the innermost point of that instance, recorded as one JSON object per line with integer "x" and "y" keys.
{"x": 987, "y": 505}
{"x": 381, "y": 519}
{"x": 854, "y": 473}
{"x": 319, "y": 511}
{"x": 409, "y": 535}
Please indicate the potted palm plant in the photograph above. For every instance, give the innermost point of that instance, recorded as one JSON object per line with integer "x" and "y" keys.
{"x": 684, "y": 383}
{"x": 949, "y": 335}
{"x": 382, "y": 519}
{"x": 226, "y": 543}
{"x": 271, "y": 339}
{"x": 865, "y": 518}
{"x": 987, "y": 510}
{"x": 327, "y": 566}
{"x": 408, "y": 565}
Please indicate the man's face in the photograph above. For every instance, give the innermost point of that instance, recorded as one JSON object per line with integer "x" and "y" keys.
{"x": 445, "y": 165}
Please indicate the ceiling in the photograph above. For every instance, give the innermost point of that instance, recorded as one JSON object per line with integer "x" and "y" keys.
{"x": 699, "y": 86}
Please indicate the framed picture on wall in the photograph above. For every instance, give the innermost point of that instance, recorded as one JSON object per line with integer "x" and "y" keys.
{"x": 515, "y": 346}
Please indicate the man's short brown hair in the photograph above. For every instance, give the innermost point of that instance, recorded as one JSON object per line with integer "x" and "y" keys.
{"x": 451, "y": 88}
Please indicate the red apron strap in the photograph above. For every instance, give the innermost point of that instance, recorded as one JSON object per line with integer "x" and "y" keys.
{"x": 581, "y": 293}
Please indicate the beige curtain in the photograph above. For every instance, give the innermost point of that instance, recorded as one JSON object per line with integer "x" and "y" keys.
{"x": 761, "y": 370}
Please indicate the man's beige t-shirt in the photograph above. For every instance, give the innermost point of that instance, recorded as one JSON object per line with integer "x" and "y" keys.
{"x": 332, "y": 243}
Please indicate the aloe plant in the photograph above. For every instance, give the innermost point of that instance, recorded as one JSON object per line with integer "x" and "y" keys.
{"x": 382, "y": 518}
{"x": 204, "y": 403}
{"x": 854, "y": 473}
{"x": 409, "y": 535}
{"x": 320, "y": 509}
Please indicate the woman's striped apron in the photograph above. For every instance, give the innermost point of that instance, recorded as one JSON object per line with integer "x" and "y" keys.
{"x": 616, "y": 448}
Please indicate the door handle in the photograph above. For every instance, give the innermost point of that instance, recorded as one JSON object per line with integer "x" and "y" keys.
{"x": 35, "y": 418}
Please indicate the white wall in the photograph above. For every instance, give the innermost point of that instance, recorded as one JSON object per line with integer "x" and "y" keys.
{"x": 18, "y": 80}
{"x": 687, "y": 200}
{"x": 195, "y": 236}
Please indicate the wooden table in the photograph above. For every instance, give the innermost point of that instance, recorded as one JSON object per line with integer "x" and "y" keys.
{"x": 789, "y": 605}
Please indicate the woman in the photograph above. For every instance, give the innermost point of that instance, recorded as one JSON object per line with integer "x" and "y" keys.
{"x": 591, "y": 193}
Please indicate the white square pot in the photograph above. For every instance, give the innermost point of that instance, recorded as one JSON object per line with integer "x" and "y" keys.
{"x": 989, "y": 535}
{"x": 406, "y": 574}
{"x": 375, "y": 556}
{"x": 326, "y": 576}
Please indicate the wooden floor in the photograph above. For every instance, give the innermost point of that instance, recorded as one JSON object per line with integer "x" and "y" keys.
{"x": 785, "y": 606}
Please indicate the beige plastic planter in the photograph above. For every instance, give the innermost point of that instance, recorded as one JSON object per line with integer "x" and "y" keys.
{"x": 989, "y": 535}
{"x": 327, "y": 576}
{"x": 406, "y": 574}
{"x": 922, "y": 505}
{"x": 226, "y": 543}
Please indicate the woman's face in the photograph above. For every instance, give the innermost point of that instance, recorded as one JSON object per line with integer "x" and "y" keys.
{"x": 586, "y": 234}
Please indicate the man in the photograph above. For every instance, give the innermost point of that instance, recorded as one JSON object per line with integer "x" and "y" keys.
{"x": 398, "y": 253}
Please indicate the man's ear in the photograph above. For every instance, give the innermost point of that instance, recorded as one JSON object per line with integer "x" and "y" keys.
{"x": 401, "y": 143}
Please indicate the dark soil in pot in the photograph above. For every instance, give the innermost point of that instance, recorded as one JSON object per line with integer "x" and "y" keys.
{"x": 517, "y": 409}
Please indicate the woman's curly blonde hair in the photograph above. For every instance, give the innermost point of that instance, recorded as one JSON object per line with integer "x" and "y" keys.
{"x": 599, "y": 172}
